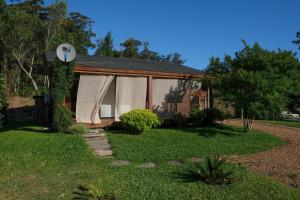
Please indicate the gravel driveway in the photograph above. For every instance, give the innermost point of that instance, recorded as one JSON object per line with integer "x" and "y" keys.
{"x": 282, "y": 163}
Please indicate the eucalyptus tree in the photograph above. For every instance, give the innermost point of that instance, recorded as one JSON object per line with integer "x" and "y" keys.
{"x": 105, "y": 46}
{"x": 131, "y": 48}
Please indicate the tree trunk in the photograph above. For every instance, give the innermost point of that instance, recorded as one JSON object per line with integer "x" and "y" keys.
{"x": 5, "y": 76}
{"x": 248, "y": 122}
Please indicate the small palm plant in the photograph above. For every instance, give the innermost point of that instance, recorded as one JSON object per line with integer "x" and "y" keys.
{"x": 214, "y": 171}
{"x": 93, "y": 192}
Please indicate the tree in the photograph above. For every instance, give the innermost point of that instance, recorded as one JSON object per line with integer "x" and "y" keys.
{"x": 21, "y": 40}
{"x": 257, "y": 81}
{"x": 146, "y": 53}
{"x": 297, "y": 41}
{"x": 77, "y": 30}
{"x": 131, "y": 48}
{"x": 105, "y": 46}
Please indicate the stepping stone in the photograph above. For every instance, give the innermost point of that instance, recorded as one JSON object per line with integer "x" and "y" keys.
{"x": 103, "y": 152}
{"x": 99, "y": 144}
{"x": 175, "y": 162}
{"x": 120, "y": 162}
{"x": 196, "y": 159}
{"x": 147, "y": 165}
{"x": 94, "y": 130}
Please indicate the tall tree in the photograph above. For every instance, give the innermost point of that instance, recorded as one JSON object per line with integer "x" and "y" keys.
{"x": 257, "y": 81}
{"x": 105, "y": 46}
{"x": 146, "y": 53}
{"x": 77, "y": 30}
{"x": 131, "y": 48}
{"x": 22, "y": 40}
{"x": 297, "y": 40}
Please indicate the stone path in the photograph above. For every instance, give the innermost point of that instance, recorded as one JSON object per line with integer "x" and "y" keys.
{"x": 98, "y": 142}
{"x": 282, "y": 163}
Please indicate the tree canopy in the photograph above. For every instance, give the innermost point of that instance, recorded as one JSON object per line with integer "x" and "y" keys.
{"x": 257, "y": 81}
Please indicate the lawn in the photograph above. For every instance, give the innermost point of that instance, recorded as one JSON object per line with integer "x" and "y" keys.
{"x": 35, "y": 164}
{"x": 161, "y": 145}
{"x": 283, "y": 123}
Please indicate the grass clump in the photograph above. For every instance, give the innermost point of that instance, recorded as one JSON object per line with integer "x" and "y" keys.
{"x": 79, "y": 129}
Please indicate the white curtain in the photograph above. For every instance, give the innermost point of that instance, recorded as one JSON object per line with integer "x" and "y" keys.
{"x": 130, "y": 94}
{"x": 165, "y": 94}
{"x": 90, "y": 94}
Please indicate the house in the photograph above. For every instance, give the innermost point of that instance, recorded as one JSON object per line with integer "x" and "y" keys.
{"x": 107, "y": 87}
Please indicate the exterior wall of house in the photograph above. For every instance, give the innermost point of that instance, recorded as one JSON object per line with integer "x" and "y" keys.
{"x": 107, "y": 109}
{"x": 173, "y": 94}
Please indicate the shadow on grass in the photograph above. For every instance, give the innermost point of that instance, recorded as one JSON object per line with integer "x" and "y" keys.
{"x": 187, "y": 176}
{"x": 123, "y": 132}
{"x": 25, "y": 126}
{"x": 211, "y": 131}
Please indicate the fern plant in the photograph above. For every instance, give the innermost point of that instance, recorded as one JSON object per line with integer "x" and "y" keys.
{"x": 213, "y": 171}
{"x": 93, "y": 192}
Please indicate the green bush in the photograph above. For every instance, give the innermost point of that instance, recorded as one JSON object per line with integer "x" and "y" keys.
{"x": 62, "y": 81}
{"x": 212, "y": 115}
{"x": 139, "y": 120}
{"x": 116, "y": 126}
{"x": 79, "y": 129}
{"x": 179, "y": 120}
{"x": 197, "y": 117}
{"x": 62, "y": 118}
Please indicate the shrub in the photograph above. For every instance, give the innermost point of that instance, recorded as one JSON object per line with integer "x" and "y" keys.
{"x": 93, "y": 192}
{"x": 197, "y": 117}
{"x": 212, "y": 115}
{"x": 116, "y": 126}
{"x": 139, "y": 120}
{"x": 77, "y": 129}
{"x": 179, "y": 120}
{"x": 61, "y": 85}
{"x": 213, "y": 171}
{"x": 62, "y": 118}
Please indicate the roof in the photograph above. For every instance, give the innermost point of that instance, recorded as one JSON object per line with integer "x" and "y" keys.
{"x": 129, "y": 64}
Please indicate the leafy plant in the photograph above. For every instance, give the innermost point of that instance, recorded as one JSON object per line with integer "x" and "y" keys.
{"x": 62, "y": 118}
{"x": 197, "y": 117}
{"x": 62, "y": 83}
{"x": 179, "y": 120}
{"x": 140, "y": 120}
{"x": 77, "y": 129}
{"x": 93, "y": 192}
{"x": 211, "y": 115}
{"x": 212, "y": 172}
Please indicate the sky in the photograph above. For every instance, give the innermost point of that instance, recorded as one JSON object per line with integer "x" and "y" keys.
{"x": 197, "y": 29}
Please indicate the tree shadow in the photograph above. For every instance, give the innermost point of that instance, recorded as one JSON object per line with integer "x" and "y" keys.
{"x": 168, "y": 108}
{"x": 24, "y": 126}
{"x": 211, "y": 131}
{"x": 186, "y": 176}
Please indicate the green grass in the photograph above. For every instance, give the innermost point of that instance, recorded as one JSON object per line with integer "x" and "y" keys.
{"x": 35, "y": 164}
{"x": 161, "y": 145}
{"x": 283, "y": 123}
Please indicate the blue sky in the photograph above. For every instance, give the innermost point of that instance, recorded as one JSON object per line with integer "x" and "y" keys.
{"x": 194, "y": 28}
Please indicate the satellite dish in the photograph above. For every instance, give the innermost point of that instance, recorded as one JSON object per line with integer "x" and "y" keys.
{"x": 66, "y": 52}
